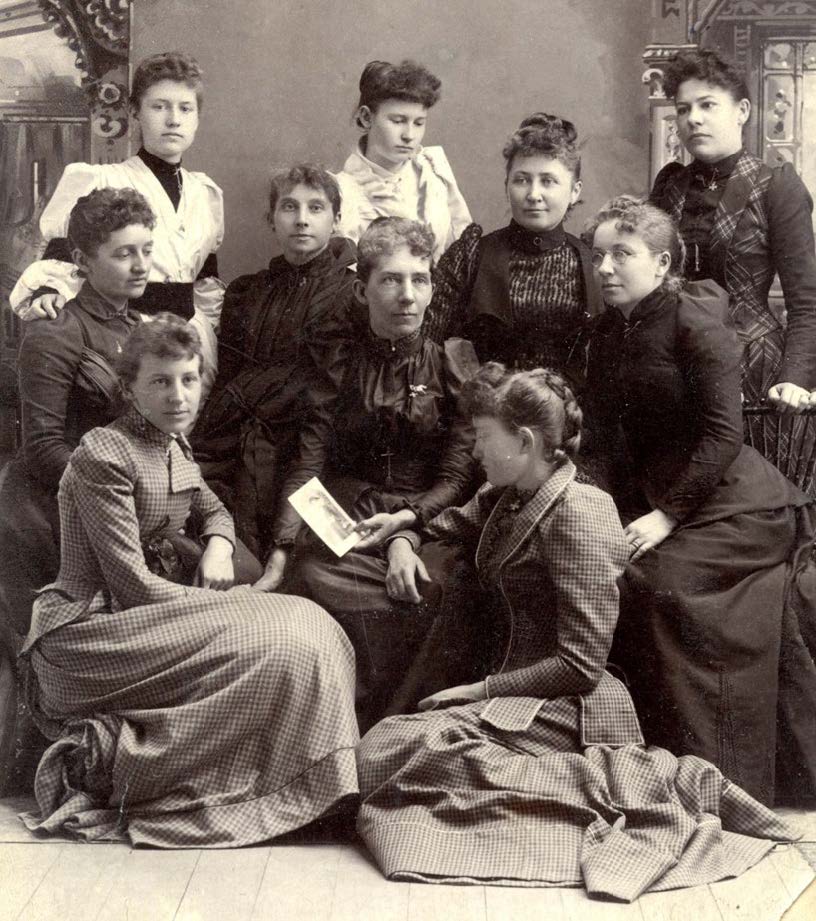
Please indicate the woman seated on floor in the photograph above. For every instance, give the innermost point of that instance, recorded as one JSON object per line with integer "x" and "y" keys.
{"x": 395, "y": 451}
{"x": 524, "y": 295}
{"x": 719, "y": 539}
{"x": 391, "y": 174}
{"x": 533, "y": 771}
{"x": 182, "y": 713}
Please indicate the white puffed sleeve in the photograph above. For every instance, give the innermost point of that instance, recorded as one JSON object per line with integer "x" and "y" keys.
{"x": 77, "y": 179}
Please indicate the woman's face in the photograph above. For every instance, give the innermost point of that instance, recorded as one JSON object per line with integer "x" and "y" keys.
{"x": 541, "y": 190}
{"x": 710, "y": 120}
{"x": 303, "y": 222}
{"x": 397, "y": 293}
{"x": 394, "y": 131}
{"x": 120, "y": 267}
{"x": 168, "y": 118}
{"x": 167, "y": 392}
{"x": 625, "y": 266}
{"x": 504, "y": 455}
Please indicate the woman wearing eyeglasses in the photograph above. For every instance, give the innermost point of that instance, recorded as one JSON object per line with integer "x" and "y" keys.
{"x": 708, "y": 634}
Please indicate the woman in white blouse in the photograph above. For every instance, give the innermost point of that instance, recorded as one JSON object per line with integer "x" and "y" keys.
{"x": 390, "y": 173}
{"x": 166, "y": 98}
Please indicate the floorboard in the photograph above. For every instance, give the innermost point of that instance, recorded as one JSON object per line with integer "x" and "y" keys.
{"x": 325, "y": 879}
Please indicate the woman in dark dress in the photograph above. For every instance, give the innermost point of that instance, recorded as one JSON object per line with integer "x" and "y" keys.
{"x": 534, "y": 773}
{"x": 68, "y": 387}
{"x": 710, "y": 647}
{"x": 743, "y": 222}
{"x": 395, "y": 452}
{"x": 524, "y": 294}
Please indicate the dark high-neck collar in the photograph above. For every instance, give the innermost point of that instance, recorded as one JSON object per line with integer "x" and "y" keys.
{"x": 168, "y": 174}
{"x": 340, "y": 252}
{"x": 722, "y": 169}
{"x": 530, "y": 241}
{"x": 408, "y": 345}
{"x": 649, "y": 305}
{"x": 99, "y": 307}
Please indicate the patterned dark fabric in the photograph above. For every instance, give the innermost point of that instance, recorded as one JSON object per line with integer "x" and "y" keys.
{"x": 762, "y": 226}
{"x": 522, "y": 298}
{"x": 180, "y": 716}
{"x": 284, "y": 333}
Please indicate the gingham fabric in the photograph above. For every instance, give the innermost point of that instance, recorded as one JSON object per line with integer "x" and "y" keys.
{"x": 552, "y": 576}
{"x": 182, "y": 716}
{"x": 448, "y": 797}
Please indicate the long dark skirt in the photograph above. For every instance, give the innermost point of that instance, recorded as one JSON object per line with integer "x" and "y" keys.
{"x": 223, "y": 719}
{"x": 451, "y": 797}
{"x": 386, "y": 635}
{"x": 711, "y": 651}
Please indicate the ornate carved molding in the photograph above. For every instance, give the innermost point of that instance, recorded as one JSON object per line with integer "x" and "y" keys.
{"x": 712, "y": 11}
{"x": 98, "y": 32}
{"x": 655, "y": 57}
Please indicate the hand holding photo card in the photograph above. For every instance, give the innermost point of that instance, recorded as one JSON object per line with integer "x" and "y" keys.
{"x": 325, "y": 517}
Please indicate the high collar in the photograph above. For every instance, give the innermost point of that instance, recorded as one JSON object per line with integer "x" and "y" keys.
{"x": 340, "y": 252}
{"x": 100, "y": 308}
{"x": 145, "y": 429}
{"x": 530, "y": 241}
{"x": 384, "y": 348}
{"x": 722, "y": 169}
{"x": 650, "y": 304}
{"x": 160, "y": 168}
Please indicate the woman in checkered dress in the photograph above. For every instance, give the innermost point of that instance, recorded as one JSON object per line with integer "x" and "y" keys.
{"x": 531, "y": 770}
{"x": 180, "y": 715}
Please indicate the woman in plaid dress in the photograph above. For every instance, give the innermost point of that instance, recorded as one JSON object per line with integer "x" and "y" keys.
{"x": 536, "y": 774}
{"x": 180, "y": 715}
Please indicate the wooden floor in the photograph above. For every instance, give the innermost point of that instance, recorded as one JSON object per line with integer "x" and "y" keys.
{"x": 329, "y": 881}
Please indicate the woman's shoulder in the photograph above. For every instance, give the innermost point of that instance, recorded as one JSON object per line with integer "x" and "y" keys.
{"x": 702, "y": 303}
{"x": 459, "y": 356}
{"x": 586, "y": 510}
{"x": 438, "y": 161}
{"x": 63, "y": 332}
{"x": 102, "y": 449}
{"x": 204, "y": 180}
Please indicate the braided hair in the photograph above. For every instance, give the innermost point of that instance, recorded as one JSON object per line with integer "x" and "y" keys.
{"x": 540, "y": 400}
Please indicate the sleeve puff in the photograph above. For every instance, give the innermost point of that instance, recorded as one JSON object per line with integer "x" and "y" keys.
{"x": 791, "y": 240}
{"x": 709, "y": 354}
{"x": 456, "y": 467}
{"x": 457, "y": 206}
{"x": 669, "y": 173}
{"x": 215, "y": 198}
{"x": 453, "y": 280}
{"x": 236, "y": 323}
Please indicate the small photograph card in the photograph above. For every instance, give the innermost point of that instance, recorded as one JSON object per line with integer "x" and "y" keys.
{"x": 325, "y": 517}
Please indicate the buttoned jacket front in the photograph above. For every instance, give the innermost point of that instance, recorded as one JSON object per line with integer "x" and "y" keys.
{"x": 550, "y": 572}
{"x": 124, "y": 484}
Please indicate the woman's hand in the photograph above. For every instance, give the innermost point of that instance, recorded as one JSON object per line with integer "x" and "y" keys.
{"x": 273, "y": 573}
{"x": 464, "y": 693}
{"x": 789, "y": 398}
{"x": 378, "y": 528}
{"x": 215, "y": 570}
{"x": 647, "y": 532}
{"x": 46, "y": 306}
{"x": 404, "y": 569}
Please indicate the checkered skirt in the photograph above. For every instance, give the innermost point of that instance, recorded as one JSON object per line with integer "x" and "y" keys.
{"x": 221, "y": 721}
{"x": 450, "y": 797}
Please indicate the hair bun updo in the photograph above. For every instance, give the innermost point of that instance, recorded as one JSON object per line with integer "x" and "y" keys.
{"x": 408, "y": 81}
{"x": 560, "y": 129}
